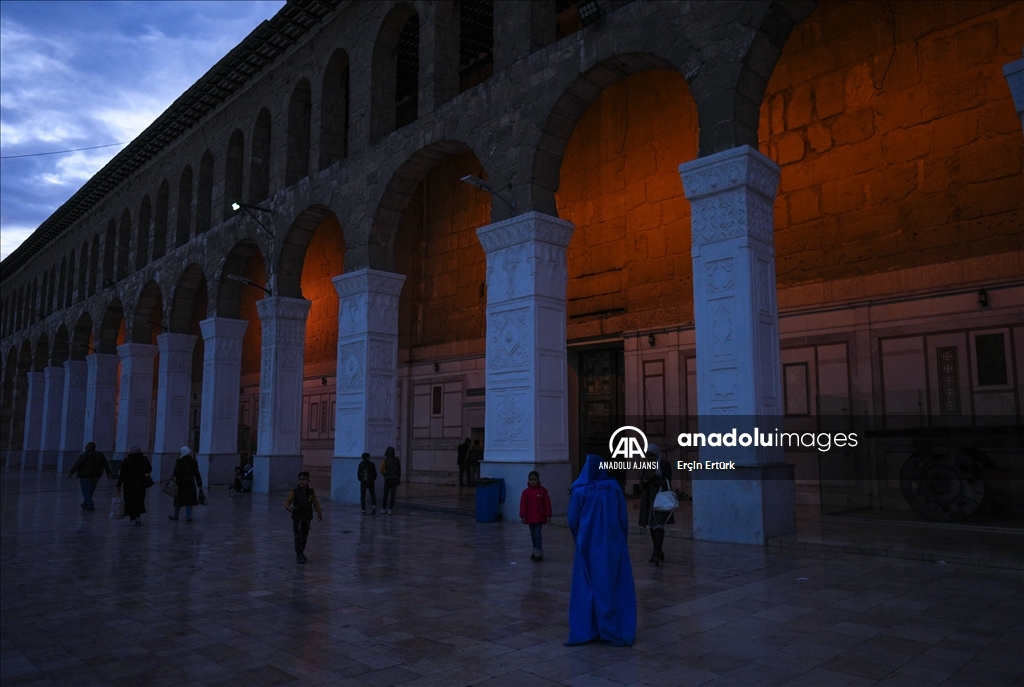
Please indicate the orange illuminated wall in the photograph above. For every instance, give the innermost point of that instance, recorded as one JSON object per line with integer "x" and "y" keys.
{"x": 438, "y": 251}
{"x": 325, "y": 259}
{"x": 253, "y": 338}
{"x": 620, "y": 186}
{"x": 923, "y": 168}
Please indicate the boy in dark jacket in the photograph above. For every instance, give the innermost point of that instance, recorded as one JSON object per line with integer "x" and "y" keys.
{"x": 367, "y": 476}
{"x": 535, "y": 511}
{"x": 301, "y": 503}
{"x": 90, "y": 466}
{"x": 392, "y": 471}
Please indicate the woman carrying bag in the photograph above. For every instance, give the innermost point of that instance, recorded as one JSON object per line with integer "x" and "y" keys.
{"x": 187, "y": 478}
{"x": 657, "y": 515}
{"x": 133, "y": 480}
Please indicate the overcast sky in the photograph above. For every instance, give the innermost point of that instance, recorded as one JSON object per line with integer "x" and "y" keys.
{"x": 81, "y": 74}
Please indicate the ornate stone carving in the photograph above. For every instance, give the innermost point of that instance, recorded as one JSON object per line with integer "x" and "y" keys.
{"x": 351, "y": 358}
{"x": 381, "y": 398}
{"x": 508, "y": 331}
{"x": 720, "y": 276}
{"x": 728, "y": 170}
{"x": 724, "y": 384}
{"x": 382, "y": 356}
{"x": 533, "y": 226}
{"x": 721, "y": 329}
{"x": 347, "y": 430}
{"x": 510, "y": 418}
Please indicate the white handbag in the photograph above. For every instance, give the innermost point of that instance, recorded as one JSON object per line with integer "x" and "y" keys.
{"x": 665, "y": 501}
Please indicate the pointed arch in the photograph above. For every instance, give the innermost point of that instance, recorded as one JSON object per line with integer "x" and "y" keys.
{"x": 204, "y": 194}
{"x": 163, "y": 200}
{"x": 233, "y": 166}
{"x": 191, "y": 284}
{"x": 148, "y": 320}
{"x": 299, "y": 113}
{"x": 124, "y": 239}
{"x": 184, "y": 207}
{"x": 110, "y": 327}
{"x": 59, "y": 352}
{"x": 142, "y": 236}
{"x": 259, "y": 161}
{"x": 334, "y": 110}
{"x": 396, "y": 71}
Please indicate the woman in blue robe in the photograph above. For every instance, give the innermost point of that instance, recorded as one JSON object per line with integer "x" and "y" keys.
{"x": 602, "y": 604}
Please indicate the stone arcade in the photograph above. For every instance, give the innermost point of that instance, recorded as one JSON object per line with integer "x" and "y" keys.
{"x": 742, "y": 209}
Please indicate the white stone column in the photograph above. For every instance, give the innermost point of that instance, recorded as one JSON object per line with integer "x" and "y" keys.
{"x": 174, "y": 384}
{"x": 100, "y": 395}
{"x": 279, "y": 452}
{"x": 33, "y": 420}
{"x": 135, "y": 401}
{"x": 1014, "y": 73}
{"x": 72, "y": 413}
{"x": 53, "y": 394}
{"x": 737, "y": 334}
{"x": 526, "y": 420}
{"x": 367, "y": 373}
{"x": 222, "y": 372}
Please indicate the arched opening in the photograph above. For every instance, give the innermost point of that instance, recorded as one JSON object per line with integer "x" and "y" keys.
{"x": 61, "y": 347}
{"x": 109, "y": 253}
{"x": 184, "y": 207}
{"x": 94, "y": 261}
{"x": 83, "y": 271}
{"x": 142, "y": 237}
{"x": 334, "y": 111}
{"x": 7, "y": 404}
{"x": 443, "y": 300}
{"x": 396, "y": 67}
{"x": 112, "y": 333}
{"x": 17, "y": 441}
{"x": 204, "y": 196}
{"x": 238, "y": 300}
{"x": 61, "y": 288}
{"x": 112, "y": 329}
{"x": 188, "y": 309}
{"x": 299, "y": 113}
{"x": 629, "y": 261}
{"x": 81, "y": 337}
{"x": 124, "y": 244}
{"x": 69, "y": 294}
{"x": 160, "y": 221}
{"x": 147, "y": 324}
{"x": 33, "y": 309}
{"x": 476, "y": 42}
{"x": 42, "y": 353}
{"x": 233, "y": 172}
{"x": 259, "y": 162}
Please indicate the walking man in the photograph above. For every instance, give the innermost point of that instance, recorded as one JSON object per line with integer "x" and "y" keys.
{"x": 90, "y": 466}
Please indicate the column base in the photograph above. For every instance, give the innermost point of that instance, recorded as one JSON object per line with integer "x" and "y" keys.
{"x": 744, "y": 506}
{"x": 274, "y": 473}
{"x": 556, "y": 477}
{"x": 344, "y": 485}
{"x": 65, "y": 459}
{"x": 30, "y": 460}
{"x": 48, "y": 460}
{"x": 215, "y": 468}
{"x": 163, "y": 465}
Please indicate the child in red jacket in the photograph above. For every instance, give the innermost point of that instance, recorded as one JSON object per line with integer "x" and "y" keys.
{"x": 535, "y": 510}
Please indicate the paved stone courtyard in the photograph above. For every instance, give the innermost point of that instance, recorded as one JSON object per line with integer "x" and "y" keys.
{"x": 423, "y": 598}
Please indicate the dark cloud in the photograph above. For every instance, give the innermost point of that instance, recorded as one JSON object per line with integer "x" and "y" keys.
{"x": 80, "y": 74}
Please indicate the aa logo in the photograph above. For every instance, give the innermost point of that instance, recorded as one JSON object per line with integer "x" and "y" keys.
{"x": 632, "y": 443}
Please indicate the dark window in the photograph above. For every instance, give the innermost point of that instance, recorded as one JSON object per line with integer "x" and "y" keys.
{"x": 990, "y": 350}
{"x": 407, "y": 80}
{"x": 476, "y": 42}
{"x": 334, "y": 111}
{"x": 299, "y": 113}
{"x": 259, "y": 163}
{"x": 204, "y": 196}
{"x": 435, "y": 400}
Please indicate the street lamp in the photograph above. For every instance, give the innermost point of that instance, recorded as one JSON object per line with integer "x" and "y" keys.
{"x": 242, "y": 280}
{"x": 486, "y": 186}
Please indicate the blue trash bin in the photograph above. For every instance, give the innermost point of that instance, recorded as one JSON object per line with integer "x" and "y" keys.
{"x": 490, "y": 493}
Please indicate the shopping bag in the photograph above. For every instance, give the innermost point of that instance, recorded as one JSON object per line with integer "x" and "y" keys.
{"x": 116, "y": 508}
{"x": 171, "y": 488}
{"x": 665, "y": 501}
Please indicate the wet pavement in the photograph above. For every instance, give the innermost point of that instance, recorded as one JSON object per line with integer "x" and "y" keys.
{"x": 434, "y": 598}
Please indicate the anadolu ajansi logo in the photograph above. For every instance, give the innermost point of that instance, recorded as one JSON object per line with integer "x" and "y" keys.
{"x": 628, "y": 445}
